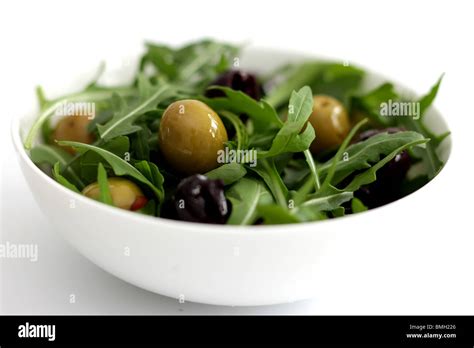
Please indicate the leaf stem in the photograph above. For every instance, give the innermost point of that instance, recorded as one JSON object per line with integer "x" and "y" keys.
{"x": 312, "y": 167}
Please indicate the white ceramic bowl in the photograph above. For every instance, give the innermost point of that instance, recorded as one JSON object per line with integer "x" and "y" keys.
{"x": 211, "y": 264}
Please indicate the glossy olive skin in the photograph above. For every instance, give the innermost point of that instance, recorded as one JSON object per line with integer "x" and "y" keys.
{"x": 239, "y": 81}
{"x": 387, "y": 187}
{"x": 73, "y": 128}
{"x": 190, "y": 136}
{"x": 199, "y": 199}
{"x": 125, "y": 194}
{"x": 330, "y": 122}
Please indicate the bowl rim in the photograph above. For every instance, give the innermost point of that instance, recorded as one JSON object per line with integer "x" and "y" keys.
{"x": 217, "y": 228}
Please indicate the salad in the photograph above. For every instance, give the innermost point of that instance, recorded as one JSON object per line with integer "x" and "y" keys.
{"x": 195, "y": 138}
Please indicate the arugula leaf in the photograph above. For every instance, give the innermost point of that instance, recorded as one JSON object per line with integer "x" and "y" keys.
{"x": 49, "y": 107}
{"x": 338, "y": 80}
{"x": 276, "y": 215}
{"x": 245, "y": 196}
{"x": 430, "y": 159}
{"x": 266, "y": 169}
{"x": 262, "y": 114}
{"x": 122, "y": 121}
{"x": 370, "y": 103}
{"x": 149, "y": 209}
{"x": 329, "y": 202}
{"x": 295, "y": 172}
{"x": 162, "y": 58}
{"x": 139, "y": 144}
{"x": 426, "y": 100}
{"x": 288, "y": 138}
{"x": 326, "y": 188}
{"x": 240, "y": 130}
{"x": 151, "y": 172}
{"x": 194, "y": 65}
{"x": 119, "y": 166}
{"x": 369, "y": 175}
{"x": 52, "y": 155}
{"x": 296, "y": 76}
{"x": 330, "y": 78}
{"x": 362, "y": 154}
{"x": 105, "y": 196}
{"x": 312, "y": 167}
{"x": 61, "y": 179}
{"x": 357, "y": 206}
{"x": 229, "y": 172}
{"x": 89, "y": 161}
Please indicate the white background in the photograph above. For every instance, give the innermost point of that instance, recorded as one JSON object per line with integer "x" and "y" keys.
{"x": 412, "y": 42}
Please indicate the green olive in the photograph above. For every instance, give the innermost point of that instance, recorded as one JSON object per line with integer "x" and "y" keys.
{"x": 330, "y": 122}
{"x": 190, "y": 136}
{"x": 125, "y": 194}
{"x": 73, "y": 128}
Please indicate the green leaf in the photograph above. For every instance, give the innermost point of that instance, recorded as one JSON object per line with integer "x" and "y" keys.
{"x": 295, "y": 78}
{"x": 122, "y": 123}
{"x": 330, "y": 78}
{"x": 52, "y": 155}
{"x": 339, "y": 81}
{"x": 361, "y": 155}
{"x": 288, "y": 138}
{"x": 240, "y": 130}
{"x": 327, "y": 203}
{"x": 430, "y": 158}
{"x": 48, "y": 108}
{"x": 200, "y": 62}
{"x": 370, "y": 103}
{"x": 151, "y": 172}
{"x": 427, "y": 100}
{"x": 312, "y": 167}
{"x": 139, "y": 143}
{"x": 162, "y": 58}
{"x": 61, "y": 179}
{"x": 104, "y": 196}
{"x": 119, "y": 166}
{"x": 357, "y": 206}
{"x": 229, "y": 172}
{"x": 89, "y": 161}
{"x": 339, "y": 212}
{"x": 245, "y": 196}
{"x": 369, "y": 175}
{"x": 193, "y": 66}
{"x": 261, "y": 113}
{"x": 276, "y": 215}
{"x": 325, "y": 187}
{"x": 266, "y": 169}
{"x": 150, "y": 208}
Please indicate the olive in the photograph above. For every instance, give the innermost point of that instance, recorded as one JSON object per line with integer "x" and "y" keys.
{"x": 73, "y": 128}
{"x": 190, "y": 136}
{"x": 125, "y": 194}
{"x": 387, "y": 187}
{"x": 330, "y": 122}
{"x": 199, "y": 199}
{"x": 239, "y": 81}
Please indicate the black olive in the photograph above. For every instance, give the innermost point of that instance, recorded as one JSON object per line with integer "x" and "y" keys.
{"x": 387, "y": 187}
{"x": 199, "y": 199}
{"x": 239, "y": 81}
